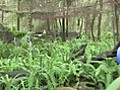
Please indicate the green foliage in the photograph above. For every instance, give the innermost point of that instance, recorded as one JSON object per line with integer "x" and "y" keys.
{"x": 49, "y": 64}
{"x": 114, "y": 85}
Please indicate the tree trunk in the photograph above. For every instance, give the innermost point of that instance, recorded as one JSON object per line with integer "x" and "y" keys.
{"x": 60, "y": 23}
{"x": 30, "y": 23}
{"x": 92, "y": 27}
{"x": 48, "y": 26}
{"x": 63, "y": 25}
{"x": 2, "y": 17}
{"x": 78, "y": 22}
{"x": 100, "y": 20}
{"x": 63, "y": 30}
{"x": 87, "y": 24}
{"x": 67, "y": 27}
{"x": 116, "y": 20}
{"x": 113, "y": 23}
{"x": 81, "y": 26}
{"x": 18, "y": 17}
{"x": 67, "y": 23}
{"x": 92, "y": 23}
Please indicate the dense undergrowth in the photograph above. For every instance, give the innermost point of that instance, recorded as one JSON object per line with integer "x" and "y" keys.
{"x": 49, "y": 66}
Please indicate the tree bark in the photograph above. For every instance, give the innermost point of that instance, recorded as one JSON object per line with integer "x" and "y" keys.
{"x": 18, "y": 17}
{"x": 67, "y": 27}
{"x": 92, "y": 27}
{"x": 92, "y": 23}
{"x": 100, "y": 20}
{"x": 67, "y": 21}
{"x": 63, "y": 30}
{"x": 87, "y": 24}
{"x": 81, "y": 26}
{"x": 116, "y": 19}
{"x": 2, "y": 17}
{"x": 113, "y": 23}
{"x": 48, "y": 26}
{"x": 63, "y": 25}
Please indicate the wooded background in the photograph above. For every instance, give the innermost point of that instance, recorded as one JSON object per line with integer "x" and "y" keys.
{"x": 93, "y": 18}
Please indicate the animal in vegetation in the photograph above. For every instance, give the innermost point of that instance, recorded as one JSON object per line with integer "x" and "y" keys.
{"x": 6, "y": 36}
{"x": 71, "y": 34}
{"x": 40, "y": 34}
{"x": 54, "y": 34}
{"x": 118, "y": 55}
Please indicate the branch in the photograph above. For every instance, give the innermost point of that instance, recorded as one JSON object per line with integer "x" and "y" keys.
{"x": 79, "y": 52}
{"x": 104, "y": 55}
{"x": 18, "y": 73}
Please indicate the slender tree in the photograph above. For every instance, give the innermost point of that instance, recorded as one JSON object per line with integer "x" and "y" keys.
{"x": 2, "y": 15}
{"x": 63, "y": 25}
{"x": 116, "y": 19}
{"x": 18, "y": 16}
{"x": 100, "y": 20}
{"x": 93, "y": 21}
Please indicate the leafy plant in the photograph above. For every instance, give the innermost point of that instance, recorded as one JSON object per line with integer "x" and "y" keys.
{"x": 114, "y": 85}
